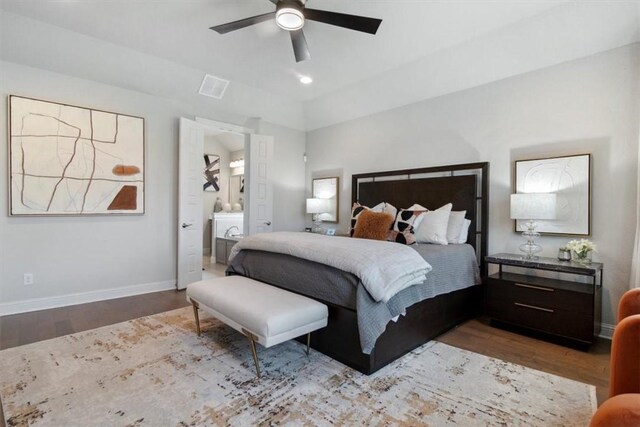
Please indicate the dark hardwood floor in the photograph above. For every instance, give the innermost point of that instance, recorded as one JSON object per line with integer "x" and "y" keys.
{"x": 475, "y": 335}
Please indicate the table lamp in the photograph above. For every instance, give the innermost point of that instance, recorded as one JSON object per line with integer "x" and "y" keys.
{"x": 531, "y": 207}
{"x": 316, "y": 207}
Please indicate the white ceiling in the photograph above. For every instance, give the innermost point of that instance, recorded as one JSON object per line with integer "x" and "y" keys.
{"x": 230, "y": 141}
{"x": 422, "y": 49}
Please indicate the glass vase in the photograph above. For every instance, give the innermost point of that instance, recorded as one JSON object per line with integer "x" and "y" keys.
{"x": 582, "y": 258}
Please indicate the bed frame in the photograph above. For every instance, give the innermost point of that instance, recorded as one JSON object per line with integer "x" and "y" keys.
{"x": 467, "y": 187}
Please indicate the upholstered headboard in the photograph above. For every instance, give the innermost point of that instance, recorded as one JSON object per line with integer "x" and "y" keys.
{"x": 466, "y": 186}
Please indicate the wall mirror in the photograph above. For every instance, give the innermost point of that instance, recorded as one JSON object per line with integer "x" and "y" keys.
{"x": 236, "y": 192}
{"x": 327, "y": 188}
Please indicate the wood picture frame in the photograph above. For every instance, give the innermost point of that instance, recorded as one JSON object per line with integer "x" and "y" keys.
{"x": 327, "y": 188}
{"x": 569, "y": 177}
{"x": 66, "y": 160}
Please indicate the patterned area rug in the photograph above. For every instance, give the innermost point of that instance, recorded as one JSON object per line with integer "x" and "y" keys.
{"x": 155, "y": 371}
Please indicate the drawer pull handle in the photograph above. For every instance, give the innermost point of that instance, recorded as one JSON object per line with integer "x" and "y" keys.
{"x": 539, "y": 288}
{"x": 548, "y": 310}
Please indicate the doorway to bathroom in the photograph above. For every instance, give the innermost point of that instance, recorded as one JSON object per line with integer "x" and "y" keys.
{"x": 224, "y": 193}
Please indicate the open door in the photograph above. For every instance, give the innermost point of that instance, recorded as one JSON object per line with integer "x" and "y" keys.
{"x": 191, "y": 148}
{"x": 260, "y": 185}
{"x": 258, "y": 193}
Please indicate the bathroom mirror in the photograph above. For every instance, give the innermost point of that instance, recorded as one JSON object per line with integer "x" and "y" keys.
{"x": 327, "y": 188}
{"x": 236, "y": 192}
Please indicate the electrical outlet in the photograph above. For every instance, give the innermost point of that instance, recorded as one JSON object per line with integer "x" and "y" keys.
{"x": 28, "y": 278}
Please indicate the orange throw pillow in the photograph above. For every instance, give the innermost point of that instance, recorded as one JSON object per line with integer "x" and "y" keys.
{"x": 373, "y": 225}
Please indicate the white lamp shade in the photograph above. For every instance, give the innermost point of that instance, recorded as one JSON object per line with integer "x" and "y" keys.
{"x": 316, "y": 206}
{"x": 533, "y": 206}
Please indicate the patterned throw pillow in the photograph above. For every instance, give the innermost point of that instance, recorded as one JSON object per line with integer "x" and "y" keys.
{"x": 372, "y": 225}
{"x": 403, "y": 231}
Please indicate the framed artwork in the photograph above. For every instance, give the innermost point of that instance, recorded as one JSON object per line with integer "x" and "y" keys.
{"x": 570, "y": 178}
{"x": 211, "y": 173}
{"x": 327, "y": 188}
{"x": 70, "y": 160}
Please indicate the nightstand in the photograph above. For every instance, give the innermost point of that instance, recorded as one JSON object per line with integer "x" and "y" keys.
{"x": 566, "y": 311}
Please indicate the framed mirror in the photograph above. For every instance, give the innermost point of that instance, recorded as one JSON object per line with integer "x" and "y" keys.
{"x": 327, "y": 188}
{"x": 236, "y": 192}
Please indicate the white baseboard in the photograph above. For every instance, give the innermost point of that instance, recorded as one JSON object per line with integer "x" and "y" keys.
{"x": 606, "y": 330}
{"x": 83, "y": 297}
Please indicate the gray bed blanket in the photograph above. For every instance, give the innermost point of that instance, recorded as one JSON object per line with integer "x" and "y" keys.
{"x": 384, "y": 268}
{"x": 454, "y": 267}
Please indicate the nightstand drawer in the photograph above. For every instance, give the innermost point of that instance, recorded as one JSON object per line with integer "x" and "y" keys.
{"x": 546, "y": 319}
{"x": 501, "y": 291}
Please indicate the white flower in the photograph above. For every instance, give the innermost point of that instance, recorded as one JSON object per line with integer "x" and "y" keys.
{"x": 581, "y": 247}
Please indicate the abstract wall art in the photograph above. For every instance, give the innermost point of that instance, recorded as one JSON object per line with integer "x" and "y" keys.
{"x": 570, "y": 178}
{"x": 69, "y": 160}
{"x": 211, "y": 173}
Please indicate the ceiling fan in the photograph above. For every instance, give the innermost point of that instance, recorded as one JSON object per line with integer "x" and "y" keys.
{"x": 290, "y": 15}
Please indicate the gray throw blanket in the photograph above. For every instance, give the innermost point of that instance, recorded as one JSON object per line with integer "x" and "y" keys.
{"x": 385, "y": 268}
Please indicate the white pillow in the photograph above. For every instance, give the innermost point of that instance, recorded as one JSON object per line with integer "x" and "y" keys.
{"x": 464, "y": 232}
{"x": 390, "y": 209}
{"x": 456, "y": 220}
{"x": 433, "y": 227}
{"x": 417, "y": 207}
{"x": 418, "y": 220}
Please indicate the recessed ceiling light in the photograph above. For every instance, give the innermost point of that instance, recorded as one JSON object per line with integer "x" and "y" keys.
{"x": 306, "y": 80}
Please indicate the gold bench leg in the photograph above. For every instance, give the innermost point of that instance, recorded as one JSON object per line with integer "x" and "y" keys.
{"x": 252, "y": 344}
{"x": 195, "y": 314}
{"x": 308, "y": 342}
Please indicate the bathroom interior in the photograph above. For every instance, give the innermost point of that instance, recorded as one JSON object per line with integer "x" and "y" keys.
{"x": 223, "y": 196}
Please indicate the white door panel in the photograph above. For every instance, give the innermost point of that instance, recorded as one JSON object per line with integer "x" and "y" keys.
{"x": 260, "y": 184}
{"x": 191, "y": 148}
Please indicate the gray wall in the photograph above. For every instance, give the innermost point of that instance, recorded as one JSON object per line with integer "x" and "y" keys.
{"x": 584, "y": 106}
{"x": 87, "y": 258}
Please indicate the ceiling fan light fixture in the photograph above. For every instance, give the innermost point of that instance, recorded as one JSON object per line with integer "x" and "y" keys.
{"x": 289, "y": 15}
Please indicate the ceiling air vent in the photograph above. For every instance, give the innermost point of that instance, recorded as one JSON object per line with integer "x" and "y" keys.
{"x": 213, "y": 86}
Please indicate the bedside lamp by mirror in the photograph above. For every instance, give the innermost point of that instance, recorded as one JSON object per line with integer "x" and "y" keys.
{"x": 531, "y": 207}
{"x": 316, "y": 207}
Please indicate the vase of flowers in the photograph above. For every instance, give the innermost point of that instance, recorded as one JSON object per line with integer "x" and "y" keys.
{"x": 581, "y": 250}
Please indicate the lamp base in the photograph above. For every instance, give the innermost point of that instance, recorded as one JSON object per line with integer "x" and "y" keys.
{"x": 317, "y": 224}
{"x": 530, "y": 248}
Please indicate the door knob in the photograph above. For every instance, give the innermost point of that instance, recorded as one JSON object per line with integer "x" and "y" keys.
{"x": 267, "y": 223}
{"x": 185, "y": 225}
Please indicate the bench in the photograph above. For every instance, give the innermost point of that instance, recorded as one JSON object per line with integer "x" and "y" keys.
{"x": 265, "y": 314}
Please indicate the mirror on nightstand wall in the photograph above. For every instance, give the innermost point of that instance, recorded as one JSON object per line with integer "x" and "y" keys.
{"x": 327, "y": 188}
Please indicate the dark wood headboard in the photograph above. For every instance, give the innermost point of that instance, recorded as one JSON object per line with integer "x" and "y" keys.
{"x": 466, "y": 186}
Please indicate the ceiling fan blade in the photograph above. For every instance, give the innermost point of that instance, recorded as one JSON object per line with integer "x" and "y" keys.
{"x": 300, "y": 48}
{"x": 274, "y": 2}
{"x": 242, "y": 23}
{"x": 352, "y": 22}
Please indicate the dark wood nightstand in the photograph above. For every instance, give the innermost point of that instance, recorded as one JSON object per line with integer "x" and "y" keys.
{"x": 567, "y": 311}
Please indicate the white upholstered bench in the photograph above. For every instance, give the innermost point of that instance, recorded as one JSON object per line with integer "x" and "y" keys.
{"x": 265, "y": 314}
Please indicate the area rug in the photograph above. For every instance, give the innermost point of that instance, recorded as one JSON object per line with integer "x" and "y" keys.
{"x": 155, "y": 371}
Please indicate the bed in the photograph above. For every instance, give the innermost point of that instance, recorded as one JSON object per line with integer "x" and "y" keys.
{"x": 419, "y": 315}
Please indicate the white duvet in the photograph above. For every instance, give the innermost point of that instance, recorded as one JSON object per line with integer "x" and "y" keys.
{"x": 385, "y": 268}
